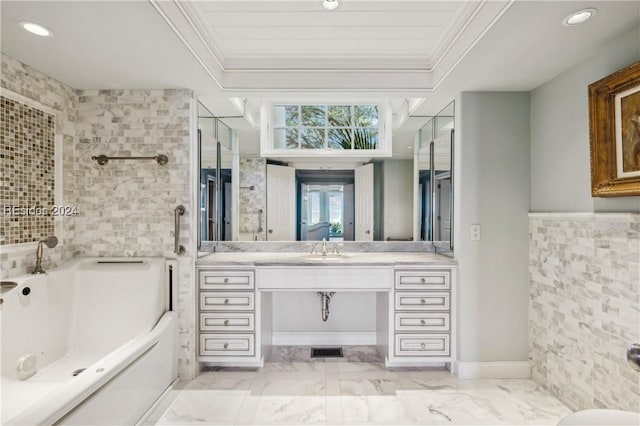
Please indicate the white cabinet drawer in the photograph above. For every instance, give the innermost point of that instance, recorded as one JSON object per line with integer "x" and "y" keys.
{"x": 422, "y": 280}
{"x": 422, "y": 345}
{"x": 422, "y": 301}
{"x": 227, "y": 301}
{"x": 222, "y": 321}
{"x": 422, "y": 321}
{"x": 226, "y": 280}
{"x": 227, "y": 344}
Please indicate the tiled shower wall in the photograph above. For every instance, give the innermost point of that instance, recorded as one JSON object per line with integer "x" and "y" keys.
{"x": 39, "y": 89}
{"x": 584, "y": 307}
{"x": 127, "y": 207}
{"x": 253, "y": 172}
{"x": 124, "y": 208}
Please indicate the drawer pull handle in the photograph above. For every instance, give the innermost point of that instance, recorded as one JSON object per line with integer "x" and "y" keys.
{"x": 423, "y": 345}
{"x": 226, "y": 345}
{"x": 423, "y": 280}
{"x": 226, "y": 322}
{"x": 226, "y": 280}
{"x": 226, "y": 301}
{"x": 422, "y": 322}
{"x": 423, "y": 301}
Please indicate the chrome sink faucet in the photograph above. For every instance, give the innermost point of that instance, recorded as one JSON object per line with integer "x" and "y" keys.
{"x": 324, "y": 247}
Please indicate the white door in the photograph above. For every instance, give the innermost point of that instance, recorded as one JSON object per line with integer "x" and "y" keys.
{"x": 281, "y": 203}
{"x": 363, "y": 185}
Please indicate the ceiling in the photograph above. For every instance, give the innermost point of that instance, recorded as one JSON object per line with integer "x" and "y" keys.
{"x": 303, "y": 35}
{"x": 246, "y": 51}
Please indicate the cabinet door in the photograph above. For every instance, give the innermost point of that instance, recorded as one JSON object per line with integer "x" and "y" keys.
{"x": 422, "y": 345}
{"x": 422, "y": 321}
{"x": 422, "y": 280}
{"x": 226, "y": 280}
{"x": 227, "y": 301}
{"x": 227, "y": 344}
{"x": 422, "y": 301}
{"x": 224, "y": 321}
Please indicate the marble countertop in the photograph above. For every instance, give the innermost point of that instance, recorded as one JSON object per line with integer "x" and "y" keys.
{"x": 342, "y": 259}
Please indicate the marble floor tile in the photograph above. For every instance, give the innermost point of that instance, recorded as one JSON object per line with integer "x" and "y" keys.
{"x": 297, "y": 410}
{"x": 378, "y": 409}
{"x": 294, "y": 389}
{"x": 204, "y": 406}
{"x": 359, "y": 387}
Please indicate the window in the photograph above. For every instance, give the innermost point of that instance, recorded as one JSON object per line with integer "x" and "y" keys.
{"x": 328, "y": 126}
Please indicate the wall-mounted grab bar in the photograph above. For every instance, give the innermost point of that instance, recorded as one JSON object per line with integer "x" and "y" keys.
{"x": 178, "y": 249}
{"x": 260, "y": 220}
{"x": 161, "y": 159}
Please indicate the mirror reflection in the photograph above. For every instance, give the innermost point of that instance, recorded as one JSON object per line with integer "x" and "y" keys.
{"x": 216, "y": 163}
{"x": 246, "y": 197}
{"x": 435, "y": 177}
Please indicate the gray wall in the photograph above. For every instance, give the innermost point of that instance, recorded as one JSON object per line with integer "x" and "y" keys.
{"x": 560, "y": 168}
{"x": 492, "y": 186}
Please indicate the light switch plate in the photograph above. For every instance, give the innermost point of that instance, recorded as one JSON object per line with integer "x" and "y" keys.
{"x": 475, "y": 232}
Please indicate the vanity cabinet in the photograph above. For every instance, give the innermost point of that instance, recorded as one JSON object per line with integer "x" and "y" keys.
{"x": 421, "y": 316}
{"x": 415, "y": 305}
{"x": 228, "y": 317}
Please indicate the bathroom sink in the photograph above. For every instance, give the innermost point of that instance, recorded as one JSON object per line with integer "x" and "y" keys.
{"x": 318, "y": 257}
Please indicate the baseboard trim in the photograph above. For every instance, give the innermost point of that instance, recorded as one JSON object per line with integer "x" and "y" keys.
{"x": 493, "y": 370}
{"x": 295, "y": 338}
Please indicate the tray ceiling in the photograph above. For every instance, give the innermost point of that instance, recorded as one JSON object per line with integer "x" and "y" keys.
{"x": 362, "y": 45}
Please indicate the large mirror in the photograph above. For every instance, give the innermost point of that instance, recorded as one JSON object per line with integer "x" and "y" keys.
{"x": 216, "y": 178}
{"x": 434, "y": 158}
{"x": 247, "y": 197}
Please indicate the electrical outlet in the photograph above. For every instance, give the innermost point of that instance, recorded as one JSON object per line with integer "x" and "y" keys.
{"x": 475, "y": 232}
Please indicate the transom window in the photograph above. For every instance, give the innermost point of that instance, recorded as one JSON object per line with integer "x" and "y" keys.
{"x": 335, "y": 127}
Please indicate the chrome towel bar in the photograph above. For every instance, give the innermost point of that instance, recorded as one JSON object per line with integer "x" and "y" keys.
{"x": 161, "y": 159}
{"x": 178, "y": 211}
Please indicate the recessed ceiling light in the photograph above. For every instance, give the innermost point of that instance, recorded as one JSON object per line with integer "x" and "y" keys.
{"x": 579, "y": 17}
{"x": 330, "y": 4}
{"x": 36, "y": 29}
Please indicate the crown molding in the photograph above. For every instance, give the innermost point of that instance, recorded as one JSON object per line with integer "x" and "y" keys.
{"x": 341, "y": 75}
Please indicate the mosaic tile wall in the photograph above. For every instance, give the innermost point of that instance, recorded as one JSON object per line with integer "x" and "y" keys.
{"x": 127, "y": 207}
{"x": 584, "y": 307}
{"x": 39, "y": 88}
{"x": 27, "y": 167}
{"x": 253, "y": 172}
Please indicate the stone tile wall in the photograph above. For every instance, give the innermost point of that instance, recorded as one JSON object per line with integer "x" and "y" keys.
{"x": 38, "y": 88}
{"x": 253, "y": 172}
{"x": 584, "y": 307}
{"x": 124, "y": 208}
{"x": 127, "y": 207}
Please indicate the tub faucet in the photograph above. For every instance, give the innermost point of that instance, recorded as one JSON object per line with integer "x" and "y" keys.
{"x": 324, "y": 247}
{"x": 51, "y": 242}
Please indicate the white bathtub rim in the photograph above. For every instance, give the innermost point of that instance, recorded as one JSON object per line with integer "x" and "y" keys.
{"x": 55, "y": 405}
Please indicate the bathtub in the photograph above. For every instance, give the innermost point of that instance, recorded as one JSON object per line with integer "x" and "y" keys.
{"x": 92, "y": 342}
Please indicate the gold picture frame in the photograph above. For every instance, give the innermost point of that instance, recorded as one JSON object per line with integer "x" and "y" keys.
{"x": 614, "y": 131}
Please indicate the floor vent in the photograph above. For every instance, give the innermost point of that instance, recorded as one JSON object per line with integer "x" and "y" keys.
{"x": 326, "y": 352}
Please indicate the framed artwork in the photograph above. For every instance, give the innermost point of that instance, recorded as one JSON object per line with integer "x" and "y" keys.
{"x": 614, "y": 130}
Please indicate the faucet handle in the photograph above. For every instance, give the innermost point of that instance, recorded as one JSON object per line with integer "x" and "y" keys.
{"x": 313, "y": 249}
{"x": 337, "y": 247}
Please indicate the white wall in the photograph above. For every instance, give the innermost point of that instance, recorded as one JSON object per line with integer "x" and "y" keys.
{"x": 492, "y": 189}
{"x": 560, "y": 168}
{"x": 398, "y": 199}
